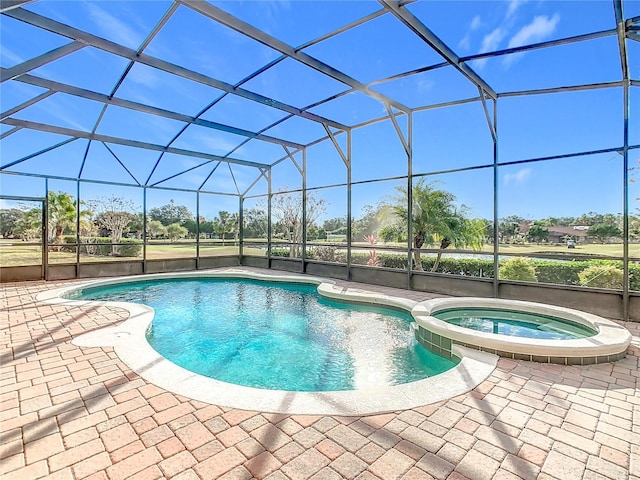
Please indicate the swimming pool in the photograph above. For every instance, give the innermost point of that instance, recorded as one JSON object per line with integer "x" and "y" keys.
{"x": 128, "y": 339}
{"x": 280, "y": 336}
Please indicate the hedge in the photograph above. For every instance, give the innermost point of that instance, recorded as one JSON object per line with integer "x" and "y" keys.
{"x": 103, "y": 246}
{"x": 560, "y": 272}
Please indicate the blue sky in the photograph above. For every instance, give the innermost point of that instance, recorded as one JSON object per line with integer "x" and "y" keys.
{"x": 443, "y": 139}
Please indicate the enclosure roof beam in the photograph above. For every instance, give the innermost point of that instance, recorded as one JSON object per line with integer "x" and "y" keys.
{"x": 252, "y": 32}
{"x": 293, "y": 160}
{"x": 536, "y": 46}
{"x": 140, "y": 107}
{"x": 574, "y": 88}
{"x": 195, "y": 167}
{"x": 332, "y": 136}
{"x": 263, "y": 174}
{"x": 32, "y": 64}
{"x": 117, "y": 184}
{"x": 128, "y": 53}
{"x": 420, "y": 29}
{"x": 492, "y": 130}
{"x": 119, "y": 161}
{"x": 6, "y": 5}
{"x": 39, "y": 152}
{"x": 10, "y": 132}
{"x": 506, "y": 51}
{"x": 26, "y": 104}
{"x": 123, "y": 141}
{"x": 633, "y": 20}
{"x": 398, "y": 130}
{"x": 622, "y": 44}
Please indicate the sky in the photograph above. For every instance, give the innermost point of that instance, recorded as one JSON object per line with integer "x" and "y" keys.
{"x": 455, "y": 139}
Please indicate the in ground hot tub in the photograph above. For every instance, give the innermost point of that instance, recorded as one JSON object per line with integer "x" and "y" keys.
{"x": 520, "y": 330}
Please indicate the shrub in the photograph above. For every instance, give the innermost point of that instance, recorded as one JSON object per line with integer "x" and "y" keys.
{"x": 602, "y": 276}
{"x": 517, "y": 268}
{"x": 280, "y": 252}
{"x": 100, "y": 246}
{"x": 634, "y": 276}
{"x": 131, "y": 247}
{"x": 559, "y": 272}
{"x": 103, "y": 246}
{"x": 546, "y": 271}
{"x": 468, "y": 267}
{"x": 69, "y": 239}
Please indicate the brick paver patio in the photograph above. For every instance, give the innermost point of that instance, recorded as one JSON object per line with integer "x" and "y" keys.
{"x": 74, "y": 413}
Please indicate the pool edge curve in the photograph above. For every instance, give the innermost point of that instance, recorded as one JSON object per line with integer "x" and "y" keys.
{"x": 128, "y": 339}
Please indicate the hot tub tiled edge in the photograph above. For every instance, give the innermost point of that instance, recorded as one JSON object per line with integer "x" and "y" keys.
{"x": 608, "y": 345}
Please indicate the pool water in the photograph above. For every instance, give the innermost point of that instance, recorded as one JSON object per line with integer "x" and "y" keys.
{"x": 514, "y": 323}
{"x": 280, "y": 336}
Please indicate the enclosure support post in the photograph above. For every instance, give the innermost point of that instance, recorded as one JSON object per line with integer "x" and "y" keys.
{"x": 45, "y": 231}
{"x": 240, "y": 228}
{"x": 144, "y": 229}
{"x": 303, "y": 254}
{"x": 269, "y": 195}
{"x": 496, "y": 244}
{"x": 409, "y": 149}
{"x": 198, "y": 231}
{"x": 77, "y": 228}
{"x": 625, "y": 215}
{"x": 624, "y": 64}
{"x": 349, "y": 213}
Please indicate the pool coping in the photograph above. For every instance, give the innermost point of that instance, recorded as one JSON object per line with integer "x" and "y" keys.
{"x": 128, "y": 340}
{"x": 608, "y": 344}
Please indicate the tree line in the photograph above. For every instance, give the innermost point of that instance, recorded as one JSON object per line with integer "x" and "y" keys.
{"x": 437, "y": 220}
{"x": 112, "y": 217}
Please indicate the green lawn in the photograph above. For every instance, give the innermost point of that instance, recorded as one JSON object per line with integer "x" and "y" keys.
{"x": 19, "y": 254}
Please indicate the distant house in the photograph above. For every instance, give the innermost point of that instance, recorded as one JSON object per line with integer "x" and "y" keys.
{"x": 561, "y": 234}
{"x": 557, "y": 234}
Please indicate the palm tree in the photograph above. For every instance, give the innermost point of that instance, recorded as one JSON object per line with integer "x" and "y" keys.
{"x": 436, "y": 220}
{"x": 61, "y": 208}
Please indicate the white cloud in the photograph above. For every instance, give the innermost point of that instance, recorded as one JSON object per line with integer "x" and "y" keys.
{"x": 476, "y": 23}
{"x": 513, "y": 7}
{"x": 465, "y": 43}
{"x": 490, "y": 42}
{"x": 425, "y": 85}
{"x": 518, "y": 178}
{"x": 107, "y": 23}
{"x": 10, "y": 57}
{"x": 216, "y": 144}
{"x": 540, "y": 28}
{"x": 144, "y": 76}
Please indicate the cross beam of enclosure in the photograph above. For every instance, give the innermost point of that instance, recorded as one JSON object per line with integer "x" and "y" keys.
{"x": 420, "y": 29}
{"x": 122, "y": 51}
{"x": 140, "y": 107}
{"x": 43, "y": 127}
{"x": 252, "y": 32}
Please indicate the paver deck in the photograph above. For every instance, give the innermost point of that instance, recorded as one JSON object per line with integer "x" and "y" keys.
{"x": 73, "y": 413}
